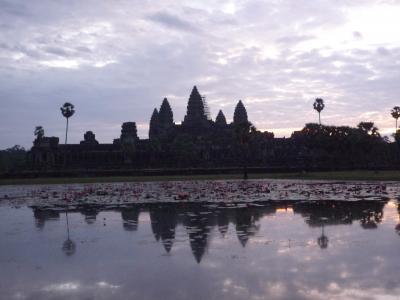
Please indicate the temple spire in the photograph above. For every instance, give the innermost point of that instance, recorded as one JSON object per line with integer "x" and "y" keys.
{"x": 240, "y": 114}
{"x": 220, "y": 120}
{"x": 195, "y": 108}
{"x": 165, "y": 116}
{"x": 154, "y": 124}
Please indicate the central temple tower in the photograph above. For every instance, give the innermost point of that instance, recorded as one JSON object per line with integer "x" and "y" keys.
{"x": 195, "y": 115}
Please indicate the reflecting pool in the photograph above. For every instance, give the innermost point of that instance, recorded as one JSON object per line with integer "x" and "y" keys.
{"x": 260, "y": 250}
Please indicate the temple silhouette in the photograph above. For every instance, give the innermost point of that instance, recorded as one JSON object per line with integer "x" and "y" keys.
{"x": 200, "y": 221}
{"x": 200, "y": 142}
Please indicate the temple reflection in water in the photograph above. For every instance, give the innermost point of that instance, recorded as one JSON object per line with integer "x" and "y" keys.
{"x": 201, "y": 221}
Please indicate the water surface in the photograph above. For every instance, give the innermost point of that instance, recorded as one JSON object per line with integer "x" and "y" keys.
{"x": 270, "y": 250}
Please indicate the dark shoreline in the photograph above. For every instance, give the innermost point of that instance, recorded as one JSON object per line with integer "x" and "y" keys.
{"x": 80, "y": 176}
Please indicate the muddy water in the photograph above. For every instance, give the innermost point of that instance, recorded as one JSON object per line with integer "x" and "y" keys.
{"x": 272, "y": 250}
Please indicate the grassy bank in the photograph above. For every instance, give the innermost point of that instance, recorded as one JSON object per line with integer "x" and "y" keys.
{"x": 343, "y": 175}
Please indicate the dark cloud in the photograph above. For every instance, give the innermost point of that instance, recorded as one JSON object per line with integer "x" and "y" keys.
{"x": 288, "y": 40}
{"x": 172, "y": 21}
{"x": 383, "y": 51}
{"x": 357, "y": 35}
{"x": 57, "y": 51}
{"x": 83, "y": 49}
{"x": 14, "y": 8}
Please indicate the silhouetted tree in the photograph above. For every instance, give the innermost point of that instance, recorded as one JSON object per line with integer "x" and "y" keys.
{"x": 342, "y": 146}
{"x": 395, "y": 114}
{"x": 323, "y": 239}
{"x": 397, "y": 137}
{"x": 368, "y": 128}
{"x": 69, "y": 246}
{"x": 39, "y": 132}
{"x": 67, "y": 111}
{"x": 319, "y": 106}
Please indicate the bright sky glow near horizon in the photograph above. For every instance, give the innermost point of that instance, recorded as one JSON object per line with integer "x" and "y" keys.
{"x": 116, "y": 61}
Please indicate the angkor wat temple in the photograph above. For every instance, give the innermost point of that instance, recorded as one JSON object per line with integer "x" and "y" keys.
{"x": 200, "y": 142}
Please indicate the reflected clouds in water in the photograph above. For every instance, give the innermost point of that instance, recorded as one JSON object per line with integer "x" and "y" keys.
{"x": 273, "y": 250}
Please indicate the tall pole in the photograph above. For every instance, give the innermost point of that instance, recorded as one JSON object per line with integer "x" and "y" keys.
{"x": 66, "y": 133}
{"x": 66, "y": 215}
{"x": 319, "y": 117}
{"x": 245, "y": 175}
{"x": 396, "y": 126}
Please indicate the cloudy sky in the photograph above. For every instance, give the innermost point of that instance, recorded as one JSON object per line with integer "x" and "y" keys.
{"x": 116, "y": 60}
